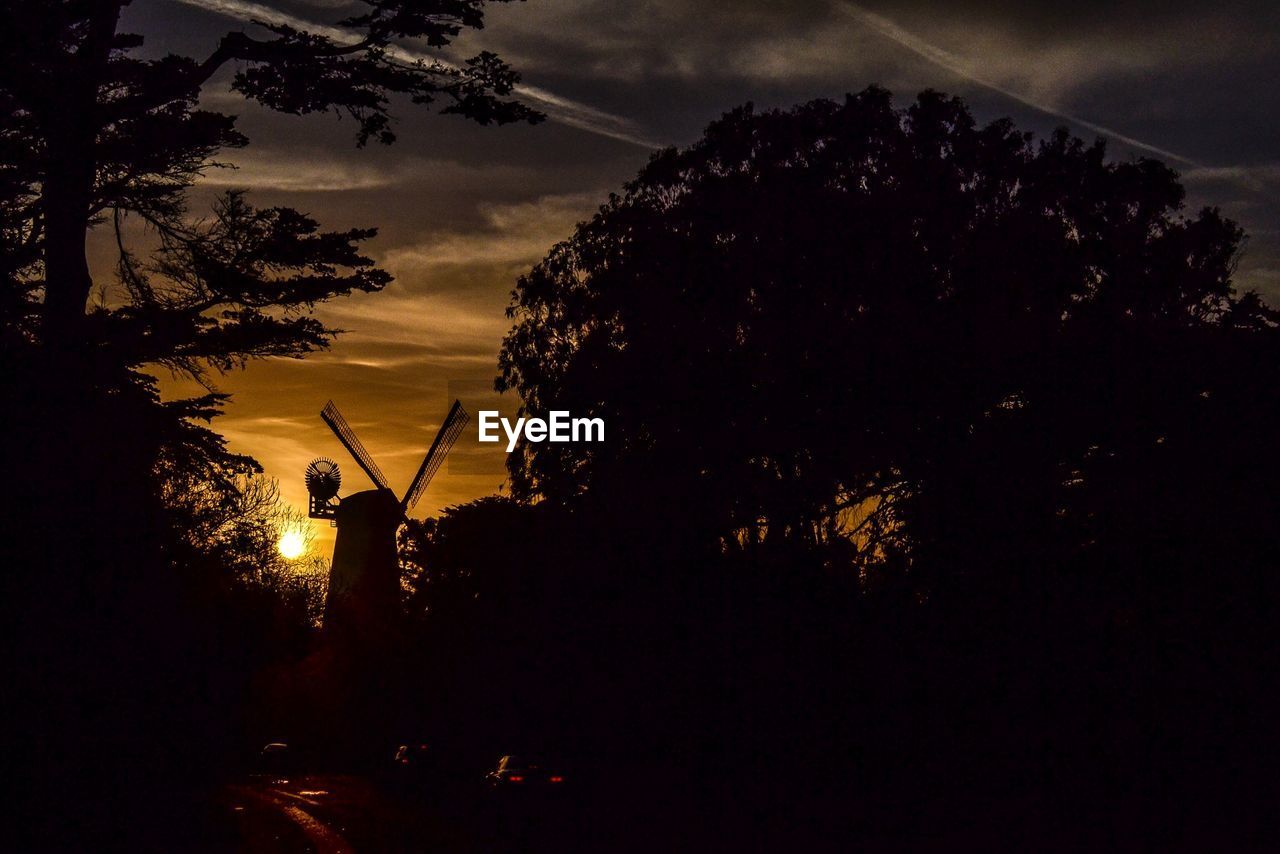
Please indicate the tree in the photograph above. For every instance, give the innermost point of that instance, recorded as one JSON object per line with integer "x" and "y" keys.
{"x": 452, "y": 564}
{"x": 850, "y": 323}
{"x": 226, "y": 527}
{"x": 92, "y": 131}
{"x": 96, "y": 136}
{"x": 965, "y": 445}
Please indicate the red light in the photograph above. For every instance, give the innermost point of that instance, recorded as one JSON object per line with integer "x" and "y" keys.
{"x": 557, "y": 779}
{"x": 516, "y": 778}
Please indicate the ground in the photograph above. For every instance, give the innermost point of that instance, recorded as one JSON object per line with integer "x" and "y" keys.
{"x": 336, "y": 814}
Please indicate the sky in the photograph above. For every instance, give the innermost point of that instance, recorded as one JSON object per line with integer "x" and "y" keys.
{"x": 463, "y": 210}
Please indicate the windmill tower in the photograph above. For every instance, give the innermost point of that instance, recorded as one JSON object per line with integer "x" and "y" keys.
{"x": 364, "y": 580}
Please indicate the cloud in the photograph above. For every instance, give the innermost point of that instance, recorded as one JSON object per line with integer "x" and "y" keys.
{"x": 424, "y": 330}
{"x": 641, "y": 40}
{"x": 427, "y": 325}
{"x": 511, "y": 235}
{"x": 1259, "y": 177}
{"x": 276, "y": 167}
{"x": 973, "y": 71}
{"x": 562, "y": 109}
{"x": 1047, "y": 53}
{"x": 293, "y": 174}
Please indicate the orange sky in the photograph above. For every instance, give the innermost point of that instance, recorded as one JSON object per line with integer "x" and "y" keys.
{"x": 407, "y": 352}
{"x": 455, "y": 246}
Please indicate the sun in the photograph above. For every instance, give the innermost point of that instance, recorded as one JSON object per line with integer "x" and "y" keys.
{"x": 292, "y": 544}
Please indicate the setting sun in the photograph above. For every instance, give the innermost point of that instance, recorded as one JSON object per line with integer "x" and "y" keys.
{"x": 292, "y": 544}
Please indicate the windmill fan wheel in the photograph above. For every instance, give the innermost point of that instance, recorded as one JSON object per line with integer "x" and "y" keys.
{"x": 323, "y": 478}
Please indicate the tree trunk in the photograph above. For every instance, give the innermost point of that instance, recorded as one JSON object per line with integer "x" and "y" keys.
{"x": 71, "y": 127}
{"x": 66, "y": 198}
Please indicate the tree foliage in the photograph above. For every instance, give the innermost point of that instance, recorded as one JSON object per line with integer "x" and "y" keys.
{"x": 91, "y": 130}
{"x": 850, "y": 322}
{"x": 938, "y": 492}
{"x": 166, "y": 581}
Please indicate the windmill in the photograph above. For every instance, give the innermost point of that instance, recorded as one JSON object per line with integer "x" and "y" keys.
{"x": 364, "y": 579}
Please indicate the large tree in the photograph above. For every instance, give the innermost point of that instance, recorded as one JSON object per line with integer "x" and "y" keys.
{"x": 896, "y": 328}
{"x": 965, "y": 445}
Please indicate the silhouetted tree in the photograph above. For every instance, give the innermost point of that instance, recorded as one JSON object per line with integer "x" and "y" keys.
{"x": 90, "y": 128}
{"x": 447, "y": 564}
{"x": 1002, "y": 387}
{"x": 226, "y": 527}
{"x": 94, "y": 135}
{"x": 796, "y": 327}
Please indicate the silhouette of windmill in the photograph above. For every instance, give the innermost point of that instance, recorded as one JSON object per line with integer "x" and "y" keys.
{"x": 364, "y": 579}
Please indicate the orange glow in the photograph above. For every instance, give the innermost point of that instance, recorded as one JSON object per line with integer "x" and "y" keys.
{"x": 292, "y": 545}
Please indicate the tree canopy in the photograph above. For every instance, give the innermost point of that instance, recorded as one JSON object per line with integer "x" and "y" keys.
{"x": 936, "y": 453}
{"x": 852, "y": 323}
{"x": 94, "y": 133}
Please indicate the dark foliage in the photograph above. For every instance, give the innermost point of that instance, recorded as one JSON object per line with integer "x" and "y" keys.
{"x": 935, "y": 506}
{"x": 132, "y": 639}
{"x": 808, "y": 312}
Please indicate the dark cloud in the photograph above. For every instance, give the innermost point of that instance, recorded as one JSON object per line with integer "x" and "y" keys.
{"x": 1048, "y": 20}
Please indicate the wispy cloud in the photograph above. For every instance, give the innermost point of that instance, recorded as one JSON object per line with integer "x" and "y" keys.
{"x": 445, "y": 310}
{"x": 1259, "y": 178}
{"x": 972, "y": 71}
{"x": 294, "y": 175}
{"x": 511, "y": 235}
{"x": 564, "y": 110}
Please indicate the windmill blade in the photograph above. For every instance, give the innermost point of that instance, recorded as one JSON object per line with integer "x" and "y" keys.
{"x": 449, "y": 432}
{"x": 352, "y": 443}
